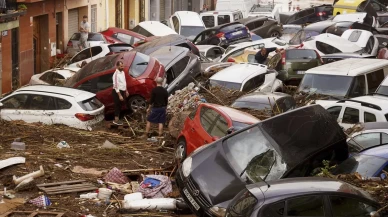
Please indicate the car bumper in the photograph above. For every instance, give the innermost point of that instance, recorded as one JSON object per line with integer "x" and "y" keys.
{"x": 92, "y": 124}
{"x": 289, "y": 75}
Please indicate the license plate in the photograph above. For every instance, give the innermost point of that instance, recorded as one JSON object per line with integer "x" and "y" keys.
{"x": 237, "y": 33}
{"x": 191, "y": 199}
{"x": 300, "y": 72}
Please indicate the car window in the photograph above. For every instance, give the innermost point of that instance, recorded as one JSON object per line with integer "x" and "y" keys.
{"x": 95, "y": 37}
{"x": 382, "y": 40}
{"x": 97, "y": 84}
{"x": 358, "y": 87}
{"x": 142, "y": 31}
{"x": 180, "y": 66}
{"x": 139, "y": 65}
{"x": 346, "y": 206}
{"x": 41, "y": 102}
{"x": 273, "y": 210}
{"x": 254, "y": 82}
{"x": 374, "y": 80}
{"x": 370, "y": 44}
{"x": 304, "y": 13}
{"x": 223, "y": 19}
{"x": 199, "y": 38}
{"x": 369, "y": 117}
{"x": 301, "y": 54}
{"x": 208, "y": 21}
{"x": 259, "y": 23}
{"x": 243, "y": 204}
{"x": 126, "y": 38}
{"x": 326, "y": 48}
{"x": 62, "y": 104}
{"x": 306, "y": 206}
{"x": 367, "y": 140}
{"x": 232, "y": 27}
{"x": 335, "y": 111}
{"x": 17, "y": 101}
{"x": 351, "y": 116}
{"x": 51, "y": 77}
{"x": 175, "y": 23}
{"x": 251, "y": 26}
{"x": 117, "y": 48}
{"x": 220, "y": 128}
{"x": 90, "y": 104}
{"x": 75, "y": 37}
{"x": 83, "y": 55}
{"x": 354, "y": 36}
{"x": 208, "y": 117}
{"x": 192, "y": 114}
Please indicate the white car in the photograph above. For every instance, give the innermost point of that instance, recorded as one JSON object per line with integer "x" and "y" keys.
{"x": 53, "y": 105}
{"x": 93, "y": 40}
{"x": 153, "y": 28}
{"x": 364, "y": 39}
{"x": 187, "y": 23}
{"x": 52, "y": 76}
{"x": 360, "y": 17}
{"x": 329, "y": 43}
{"x": 358, "y": 110}
{"x": 372, "y": 134}
{"x": 210, "y": 51}
{"x": 216, "y": 18}
{"x": 238, "y": 49}
{"x": 96, "y": 52}
{"x": 243, "y": 77}
{"x": 383, "y": 88}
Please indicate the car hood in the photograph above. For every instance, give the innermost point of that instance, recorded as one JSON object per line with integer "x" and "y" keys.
{"x": 296, "y": 136}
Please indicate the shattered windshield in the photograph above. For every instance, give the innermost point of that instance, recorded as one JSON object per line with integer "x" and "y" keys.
{"x": 332, "y": 85}
{"x": 253, "y": 157}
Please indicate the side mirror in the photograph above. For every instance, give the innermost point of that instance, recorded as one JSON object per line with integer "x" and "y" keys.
{"x": 374, "y": 214}
{"x": 230, "y": 130}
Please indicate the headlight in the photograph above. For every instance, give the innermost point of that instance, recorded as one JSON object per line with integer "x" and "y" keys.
{"x": 186, "y": 166}
{"x": 218, "y": 211}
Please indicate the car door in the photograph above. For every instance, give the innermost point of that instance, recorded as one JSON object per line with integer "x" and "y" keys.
{"x": 309, "y": 205}
{"x": 63, "y": 113}
{"x": 181, "y": 77}
{"x": 208, "y": 118}
{"x": 41, "y": 108}
{"x": 335, "y": 112}
{"x": 351, "y": 116}
{"x": 14, "y": 107}
{"x": 351, "y": 206}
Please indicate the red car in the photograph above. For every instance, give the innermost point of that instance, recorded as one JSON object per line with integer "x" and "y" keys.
{"x": 140, "y": 71}
{"x": 114, "y": 35}
{"x": 208, "y": 123}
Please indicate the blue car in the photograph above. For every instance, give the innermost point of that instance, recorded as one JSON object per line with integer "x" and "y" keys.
{"x": 224, "y": 35}
{"x": 368, "y": 163}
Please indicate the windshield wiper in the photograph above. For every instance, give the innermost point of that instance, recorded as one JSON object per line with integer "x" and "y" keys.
{"x": 142, "y": 64}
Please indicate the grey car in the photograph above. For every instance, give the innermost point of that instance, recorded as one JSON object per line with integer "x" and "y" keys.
{"x": 302, "y": 197}
{"x": 264, "y": 27}
{"x": 94, "y": 39}
{"x": 180, "y": 64}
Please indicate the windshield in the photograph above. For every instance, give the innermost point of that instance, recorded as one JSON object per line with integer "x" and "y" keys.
{"x": 333, "y": 85}
{"x": 365, "y": 165}
{"x": 139, "y": 65}
{"x": 190, "y": 32}
{"x": 261, "y": 8}
{"x": 294, "y": 54}
{"x": 251, "y": 105}
{"x": 382, "y": 90}
{"x": 227, "y": 84}
{"x": 239, "y": 125}
{"x": 252, "y": 156}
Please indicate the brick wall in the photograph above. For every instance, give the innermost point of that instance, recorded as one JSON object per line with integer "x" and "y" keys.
{"x": 6, "y": 48}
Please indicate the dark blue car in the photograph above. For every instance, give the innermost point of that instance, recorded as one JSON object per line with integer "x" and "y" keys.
{"x": 368, "y": 163}
{"x": 224, "y": 35}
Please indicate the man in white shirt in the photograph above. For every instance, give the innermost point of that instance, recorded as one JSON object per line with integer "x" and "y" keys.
{"x": 119, "y": 92}
{"x": 84, "y": 30}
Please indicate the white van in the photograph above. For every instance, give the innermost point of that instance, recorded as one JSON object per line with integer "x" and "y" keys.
{"x": 187, "y": 23}
{"x": 216, "y": 18}
{"x": 153, "y": 28}
{"x": 229, "y": 5}
{"x": 268, "y": 10}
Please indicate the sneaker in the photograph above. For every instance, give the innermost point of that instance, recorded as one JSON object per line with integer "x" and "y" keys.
{"x": 118, "y": 123}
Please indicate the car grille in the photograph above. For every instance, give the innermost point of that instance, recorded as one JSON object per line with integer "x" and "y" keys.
{"x": 193, "y": 188}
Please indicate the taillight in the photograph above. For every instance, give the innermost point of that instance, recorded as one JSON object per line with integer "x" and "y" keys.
{"x": 84, "y": 117}
{"x": 220, "y": 35}
{"x": 284, "y": 58}
{"x": 321, "y": 14}
{"x": 70, "y": 44}
{"x": 231, "y": 60}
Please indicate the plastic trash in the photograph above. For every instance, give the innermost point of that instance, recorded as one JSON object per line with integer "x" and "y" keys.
{"x": 63, "y": 144}
{"x": 133, "y": 196}
{"x": 19, "y": 146}
{"x": 151, "y": 204}
{"x": 89, "y": 196}
{"x": 104, "y": 193}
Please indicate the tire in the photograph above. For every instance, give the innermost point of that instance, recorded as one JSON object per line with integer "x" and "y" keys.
{"x": 180, "y": 150}
{"x": 274, "y": 34}
{"x": 137, "y": 103}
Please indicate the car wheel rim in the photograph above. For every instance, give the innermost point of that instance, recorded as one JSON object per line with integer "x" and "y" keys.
{"x": 179, "y": 152}
{"x": 138, "y": 104}
{"x": 274, "y": 34}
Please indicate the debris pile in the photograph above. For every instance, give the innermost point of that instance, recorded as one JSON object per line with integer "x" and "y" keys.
{"x": 184, "y": 100}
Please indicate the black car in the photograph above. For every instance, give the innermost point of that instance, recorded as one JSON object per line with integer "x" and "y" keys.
{"x": 263, "y": 26}
{"x": 168, "y": 40}
{"x": 180, "y": 64}
{"x": 292, "y": 144}
{"x": 302, "y": 197}
{"x": 224, "y": 35}
{"x": 311, "y": 15}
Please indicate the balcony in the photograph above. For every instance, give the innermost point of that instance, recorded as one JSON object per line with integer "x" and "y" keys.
{"x": 12, "y": 12}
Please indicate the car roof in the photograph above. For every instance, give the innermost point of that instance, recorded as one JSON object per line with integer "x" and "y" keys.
{"x": 171, "y": 39}
{"x": 249, "y": 19}
{"x": 239, "y": 72}
{"x": 219, "y": 12}
{"x": 169, "y": 54}
{"x": 203, "y": 48}
{"x": 79, "y": 95}
{"x": 157, "y": 28}
{"x": 381, "y": 101}
{"x": 306, "y": 185}
{"x": 125, "y": 31}
{"x": 348, "y": 55}
{"x": 66, "y": 72}
{"x": 262, "y": 97}
{"x": 234, "y": 114}
{"x": 187, "y": 19}
{"x": 336, "y": 41}
{"x": 252, "y": 43}
{"x": 223, "y": 25}
{"x": 378, "y": 151}
{"x": 319, "y": 25}
{"x": 356, "y": 17}
{"x": 349, "y": 67}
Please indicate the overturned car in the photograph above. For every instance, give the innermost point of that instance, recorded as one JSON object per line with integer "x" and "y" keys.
{"x": 292, "y": 144}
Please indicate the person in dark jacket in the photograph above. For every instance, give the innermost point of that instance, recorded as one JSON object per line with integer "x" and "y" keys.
{"x": 157, "y": 106}
{"x": 262, "y": 56}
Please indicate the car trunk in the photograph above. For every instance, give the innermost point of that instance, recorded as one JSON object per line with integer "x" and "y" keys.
{"x": 297, "y": 61}
{"x": 235, "y": 32}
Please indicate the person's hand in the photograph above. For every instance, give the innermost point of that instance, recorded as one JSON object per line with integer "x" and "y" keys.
{"x": 121, "y": 98}
{"x": 126, "y": 94}
{"x": 148, "y": 110}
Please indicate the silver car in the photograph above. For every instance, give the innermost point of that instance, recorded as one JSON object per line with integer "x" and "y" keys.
{"x": 94, "y": 39}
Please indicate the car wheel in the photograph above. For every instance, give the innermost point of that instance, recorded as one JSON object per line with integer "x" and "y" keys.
{"x": 180, "y": 150}
{"x": 274, "y": 34}
{"x": 137, "y": 103}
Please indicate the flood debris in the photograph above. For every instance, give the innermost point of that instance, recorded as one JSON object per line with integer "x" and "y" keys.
{"x": 35, "y": 174}
{"x": 63, "y": 144}
{"x": 12, "y": 161}
{"x": 116, "y": 176}
{"x": 26, "y": 184}
{"x": 18, "y": 145}
{"x": 108, "y": 144}
{"x": 41, "y": 201}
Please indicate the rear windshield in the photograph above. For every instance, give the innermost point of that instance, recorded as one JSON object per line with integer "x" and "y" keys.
{"x": 300, "y": 54}
{"x": 229, "y": 85}
{"x": 95, "y": 37}
{"x": 231, "y": 27}
{"x": 191, "y": 32}
{"x": 139, "y": 65}
{"x": 119, "y": 48}
{"x": 90, "y": 104}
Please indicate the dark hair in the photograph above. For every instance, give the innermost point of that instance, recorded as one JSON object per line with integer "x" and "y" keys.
{"x": 85, "y": 16}
{"x": 119, "y": 62}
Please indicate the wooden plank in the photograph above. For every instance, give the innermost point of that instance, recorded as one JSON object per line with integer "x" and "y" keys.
{"x": 72, "y": 191}
{"x": 33, "y": 214}
{"x": 60, "y": 183}
{"x": 67, "y": 187}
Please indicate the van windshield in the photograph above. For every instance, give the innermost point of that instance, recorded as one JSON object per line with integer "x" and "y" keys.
{"x": 190, "y": 32}
{"x": 261, "y": 8}
{"x": 332, "y": 85}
